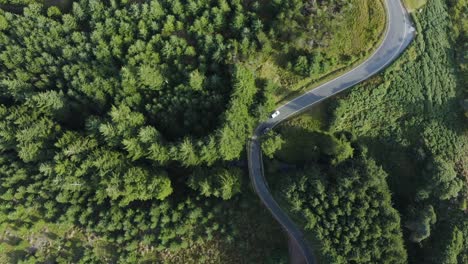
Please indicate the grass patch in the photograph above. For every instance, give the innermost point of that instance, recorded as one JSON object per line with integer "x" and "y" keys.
{"x": 346, "y": 42}
{"x": 307, "y": 140}
{"x": 302, "y": 136}
{"x": 413, "y": 5}
{"x": 359, "y": 31}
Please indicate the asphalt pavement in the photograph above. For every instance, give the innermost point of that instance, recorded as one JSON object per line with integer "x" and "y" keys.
{"x": 398, "y": 35}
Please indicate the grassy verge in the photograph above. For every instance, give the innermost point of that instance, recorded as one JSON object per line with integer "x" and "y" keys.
{"x": 352, "y": 36}
{"x": 413, "y": 5}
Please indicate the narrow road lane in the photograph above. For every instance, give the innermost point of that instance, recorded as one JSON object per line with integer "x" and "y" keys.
{"x": 399, "y": 34}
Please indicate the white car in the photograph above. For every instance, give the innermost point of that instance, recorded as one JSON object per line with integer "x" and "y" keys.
{"x": 275, "y": 114}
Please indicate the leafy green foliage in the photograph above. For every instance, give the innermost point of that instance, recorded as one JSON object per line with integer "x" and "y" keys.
{"x": 223, "y": 183}
{"x": 420, "y": 226}
{"x": 458, "y": 13}
{"x": 271, "y": 143}
{"x": 111, "y": 109}
{"x": 317, "y": 40}
{"x": 17, "y": 2}
{"x": 441, "y": 181}
{"x": 453, "y": 248}
{"x": 411, "y": 120}
{"x": 106, "y": 108}
{"x": 415, "y": 105}
{"x": 311, "y": 144}
{"x": 348, "y": 212}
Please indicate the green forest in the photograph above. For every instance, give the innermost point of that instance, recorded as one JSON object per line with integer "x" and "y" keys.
{"x": 124, "y": 123}
{"x": 379, "y": 174}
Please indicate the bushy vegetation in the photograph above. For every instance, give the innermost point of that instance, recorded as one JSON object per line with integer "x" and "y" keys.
{"x": 333, "y": 36}
{"x": 123, "y": 123}
{"x": 410, "y": 118}
{"x": 354, "y": 29}
{"x": 130, "y": 235}
{"x": 348, "y": 211}
{"x": 17, "y": 2}
{"x": 338, "y": 194}
{"x": 458, "y": 10}
{"x": 413, "y": 110}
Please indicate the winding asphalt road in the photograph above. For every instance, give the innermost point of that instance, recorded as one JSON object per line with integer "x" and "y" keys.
{"x": 398, "y": 35}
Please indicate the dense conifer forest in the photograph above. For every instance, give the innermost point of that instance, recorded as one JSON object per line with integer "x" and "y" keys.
{"x": 123, "y": 127}
{"x": 124, "y": 123}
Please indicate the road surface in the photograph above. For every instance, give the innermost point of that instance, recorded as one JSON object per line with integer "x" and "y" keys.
{"x": 398, "y": 35}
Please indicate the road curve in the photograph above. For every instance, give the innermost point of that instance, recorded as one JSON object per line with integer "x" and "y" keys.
{"x": 398, "y": 35}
